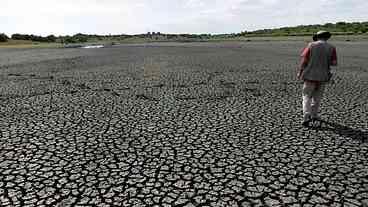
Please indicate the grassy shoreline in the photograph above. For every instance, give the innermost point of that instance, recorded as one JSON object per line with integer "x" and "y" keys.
{"x": 28, "y": 44}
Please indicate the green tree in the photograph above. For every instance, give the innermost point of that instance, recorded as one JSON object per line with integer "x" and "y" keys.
{"x": 80, "y": 37}
{"x": 69, "y": 40}
{"x": 3, "y": 37}
{"x": 20, "y": 37}
{"x": 51, "y": 38}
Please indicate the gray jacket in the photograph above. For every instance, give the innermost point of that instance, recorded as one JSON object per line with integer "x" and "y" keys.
{"x": 320, "y": 56}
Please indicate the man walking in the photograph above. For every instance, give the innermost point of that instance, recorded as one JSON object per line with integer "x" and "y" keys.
{"x": 314, "y": 70}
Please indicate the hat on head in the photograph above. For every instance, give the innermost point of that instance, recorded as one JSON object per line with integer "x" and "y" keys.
{"x": 323, "y": 34}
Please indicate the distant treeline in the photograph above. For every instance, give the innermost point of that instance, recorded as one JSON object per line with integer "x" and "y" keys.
{"x": 81, "y": 38}
{"x": 158, "y": 35}
{"x": 342, "y": 28}
{"x": 302, "y": 30}
{"x": 35, "y": 38}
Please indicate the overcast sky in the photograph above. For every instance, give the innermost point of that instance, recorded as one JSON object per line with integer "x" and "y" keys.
{"x": 62, "y": 17}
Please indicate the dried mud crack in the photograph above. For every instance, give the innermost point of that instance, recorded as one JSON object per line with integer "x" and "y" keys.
{"x": 171, "y": 125}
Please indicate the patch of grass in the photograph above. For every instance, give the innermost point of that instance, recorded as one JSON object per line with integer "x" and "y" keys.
{"x": 305, "y": 38}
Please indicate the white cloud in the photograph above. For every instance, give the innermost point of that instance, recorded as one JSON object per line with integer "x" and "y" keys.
{"x": 174, "y": 16}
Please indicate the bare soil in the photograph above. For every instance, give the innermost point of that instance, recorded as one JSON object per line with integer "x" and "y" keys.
{"x": 179, "y": 124}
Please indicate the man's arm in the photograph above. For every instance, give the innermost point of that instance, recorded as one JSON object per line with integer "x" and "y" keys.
{"x": 334, "y": 57}
{"x": 304, "y": 61}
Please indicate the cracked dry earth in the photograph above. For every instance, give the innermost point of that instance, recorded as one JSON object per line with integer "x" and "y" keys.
{"x": 179, "y": 125}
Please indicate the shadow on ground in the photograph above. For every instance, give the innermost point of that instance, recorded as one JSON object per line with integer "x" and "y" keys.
{"x": 344, "y": 131}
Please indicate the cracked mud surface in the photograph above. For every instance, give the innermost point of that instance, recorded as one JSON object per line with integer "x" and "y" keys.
{"x": 179, "y": 125}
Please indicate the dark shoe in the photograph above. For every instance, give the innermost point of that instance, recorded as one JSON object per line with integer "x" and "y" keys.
{"x": 316, "y": 122}
{"x": 306, "y": 120}
{"x": 306, "y": 123}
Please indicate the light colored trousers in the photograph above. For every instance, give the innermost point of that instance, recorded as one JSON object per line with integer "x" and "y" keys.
{"x": 312, "y": 95}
